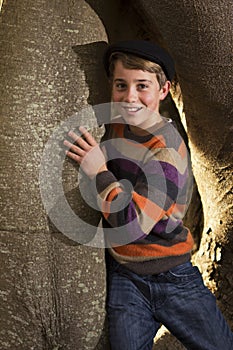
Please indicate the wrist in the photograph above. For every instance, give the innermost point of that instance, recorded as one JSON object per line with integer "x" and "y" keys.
{"x": 102, "y": 168}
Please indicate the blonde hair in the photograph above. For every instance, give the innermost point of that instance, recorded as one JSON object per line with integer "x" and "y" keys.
{"x": 130, "y": 61}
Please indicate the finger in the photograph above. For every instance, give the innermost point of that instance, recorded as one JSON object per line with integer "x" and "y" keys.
{"x": 74, "y": 148}
{"x": 79, "y": 141}
{"x": 74, "y": 156}
{"x": 88, "y": 137}
{"x": 73, "y": 135}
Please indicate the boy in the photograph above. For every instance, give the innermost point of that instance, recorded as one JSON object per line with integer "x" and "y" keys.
{"x": 151, "y": 280}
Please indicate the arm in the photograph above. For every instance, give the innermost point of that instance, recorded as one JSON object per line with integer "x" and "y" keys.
{"x": 143, "y": 205}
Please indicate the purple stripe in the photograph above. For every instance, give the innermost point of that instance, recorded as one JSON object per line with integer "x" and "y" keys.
{"x": 167, "y": 171}
{"x": 134, "y": 229}
{"x": 161, "y": 226}
{"x": 133, "y": 166}
{"x": 129, "y": 164}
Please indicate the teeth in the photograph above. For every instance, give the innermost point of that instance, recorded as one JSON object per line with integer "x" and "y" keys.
{"x": 132, "y": 109}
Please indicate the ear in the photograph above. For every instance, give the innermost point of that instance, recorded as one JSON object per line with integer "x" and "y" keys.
{"x": 164, "y": 90}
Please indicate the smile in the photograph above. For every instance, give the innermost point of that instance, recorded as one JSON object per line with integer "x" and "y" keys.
{"x": 132, "y": 109}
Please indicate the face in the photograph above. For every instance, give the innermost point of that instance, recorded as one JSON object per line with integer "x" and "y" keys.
{"x": 139, "y": 95}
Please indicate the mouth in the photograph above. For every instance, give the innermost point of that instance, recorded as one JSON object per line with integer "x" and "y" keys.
{"x": 131, "y": 109}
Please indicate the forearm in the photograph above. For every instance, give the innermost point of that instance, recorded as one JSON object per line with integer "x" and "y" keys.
{"x": 136, "y": 208}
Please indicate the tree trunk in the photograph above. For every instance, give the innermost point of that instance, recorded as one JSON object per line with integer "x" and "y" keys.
{"x": 52, "y": 289}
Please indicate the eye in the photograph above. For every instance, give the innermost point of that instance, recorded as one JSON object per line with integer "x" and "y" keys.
{"x": 142, "y": 86}
{"x": 120, "y": 86}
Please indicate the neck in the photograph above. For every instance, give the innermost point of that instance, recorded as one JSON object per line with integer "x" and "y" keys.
{"x": 144, "y": 130}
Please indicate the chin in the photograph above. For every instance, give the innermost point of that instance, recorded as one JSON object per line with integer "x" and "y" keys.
{"x": 131, "y": 120}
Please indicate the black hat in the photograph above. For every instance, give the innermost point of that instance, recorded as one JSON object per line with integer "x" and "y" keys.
{"x": 143, "y": 49}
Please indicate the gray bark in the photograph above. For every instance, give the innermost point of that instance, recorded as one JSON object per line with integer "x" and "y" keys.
{"x": 52, "y": 292}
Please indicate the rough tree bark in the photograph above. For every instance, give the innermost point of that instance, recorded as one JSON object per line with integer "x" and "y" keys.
{"x": 52, "y": 291}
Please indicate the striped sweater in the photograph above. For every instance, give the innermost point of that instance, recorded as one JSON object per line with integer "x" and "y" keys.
{"x": 143, "y": 197}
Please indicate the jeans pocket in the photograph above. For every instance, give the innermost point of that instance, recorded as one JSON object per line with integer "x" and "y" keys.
{"x": 186, "y": 269}
{"x": 184, "y": 273}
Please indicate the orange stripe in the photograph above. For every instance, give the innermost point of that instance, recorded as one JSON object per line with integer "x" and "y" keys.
{"x": 119, "y": 128}
{"x": 171, "y": 210}
{"x": 177, "y": 208}
{"x": 182, "y": 150}
{"x": 151, "y": 144}
{"x": 155, "y": 142}
{"x": 115, "y": 191}
{"x": 155, "y": 250}
{"x": 106, "y": 207}
{"x": 150, "y": 208}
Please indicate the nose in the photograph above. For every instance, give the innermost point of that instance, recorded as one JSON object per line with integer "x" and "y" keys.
{"x": 130, "y": 95}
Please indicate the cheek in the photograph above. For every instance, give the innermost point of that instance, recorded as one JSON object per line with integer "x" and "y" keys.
{"x": 152, "y": 102}
{"x": 149, "y": 100}
{"x": 116, "y": 97}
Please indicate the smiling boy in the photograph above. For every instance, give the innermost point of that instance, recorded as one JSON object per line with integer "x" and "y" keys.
{"x": 151, "y": 280}
{"x": 137, "y": 90}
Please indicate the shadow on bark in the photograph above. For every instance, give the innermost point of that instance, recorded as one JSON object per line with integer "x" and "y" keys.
{"x": 90, "y": 55}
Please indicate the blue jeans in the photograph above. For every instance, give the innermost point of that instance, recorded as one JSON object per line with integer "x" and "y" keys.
{"x": 138, "y": 305}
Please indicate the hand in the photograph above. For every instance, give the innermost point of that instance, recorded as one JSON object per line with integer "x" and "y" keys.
{"x": 86, "y": 152}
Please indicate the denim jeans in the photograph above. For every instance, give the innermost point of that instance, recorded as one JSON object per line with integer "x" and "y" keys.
{"x": 178, "y": 299}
